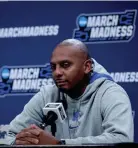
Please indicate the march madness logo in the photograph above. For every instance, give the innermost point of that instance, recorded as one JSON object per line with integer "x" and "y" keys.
{"x": 16, "y": 80}
{"x": 106, "y": 27}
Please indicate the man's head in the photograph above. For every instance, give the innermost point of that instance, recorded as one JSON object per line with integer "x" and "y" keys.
{"x": 70, "y": 63}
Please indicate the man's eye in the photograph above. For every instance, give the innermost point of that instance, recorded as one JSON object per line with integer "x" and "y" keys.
{"x": 53, "y": 67}
{"x": 65, "y": 65}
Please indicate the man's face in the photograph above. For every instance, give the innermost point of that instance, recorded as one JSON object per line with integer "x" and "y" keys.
{"x": 67, "y": 66}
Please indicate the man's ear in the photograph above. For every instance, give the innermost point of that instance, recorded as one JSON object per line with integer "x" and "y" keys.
{"x": 88, "y": 66}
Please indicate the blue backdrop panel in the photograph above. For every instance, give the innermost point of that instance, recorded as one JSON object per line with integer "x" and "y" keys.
{"x": 48, "y": 23}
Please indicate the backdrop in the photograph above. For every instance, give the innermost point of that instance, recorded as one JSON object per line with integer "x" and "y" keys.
{"x": 30, "y": 30}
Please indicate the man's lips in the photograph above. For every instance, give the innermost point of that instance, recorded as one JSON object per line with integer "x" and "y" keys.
{"x": 61, "y": 82}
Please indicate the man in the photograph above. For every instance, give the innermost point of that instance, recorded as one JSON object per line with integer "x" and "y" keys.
{"x": 98, "y": 109}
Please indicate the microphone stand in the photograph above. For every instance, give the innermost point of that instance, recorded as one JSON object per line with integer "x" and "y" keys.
{"x": 53, "y": 128}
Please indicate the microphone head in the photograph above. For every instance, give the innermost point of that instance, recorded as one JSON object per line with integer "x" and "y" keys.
{"x": 51, "y": 117}
{"x": 54, "y": 111}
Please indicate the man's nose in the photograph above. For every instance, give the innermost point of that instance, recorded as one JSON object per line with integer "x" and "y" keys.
{"x": 58, "y": 72}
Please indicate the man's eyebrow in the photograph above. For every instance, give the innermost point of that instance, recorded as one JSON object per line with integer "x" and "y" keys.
{"x": 63, "y": 61}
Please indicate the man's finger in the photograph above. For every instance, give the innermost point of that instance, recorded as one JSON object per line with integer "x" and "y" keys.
{"x": 30, "y": 127}
{"x": 33, "y": 126}
{"x": 20, "y": 142}
{"x": 25, "y": 134}
{"x": 35, "y": 132}
{"x": 29, "y": 140}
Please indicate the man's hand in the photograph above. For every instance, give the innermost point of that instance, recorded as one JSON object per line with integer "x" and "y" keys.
{"x": 27, "y": 136}
{"x": 45, "y": 138}
{"x": 35, "y": 136}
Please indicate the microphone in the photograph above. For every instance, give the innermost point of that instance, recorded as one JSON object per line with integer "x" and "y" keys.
{"x": 54, "y": 111}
